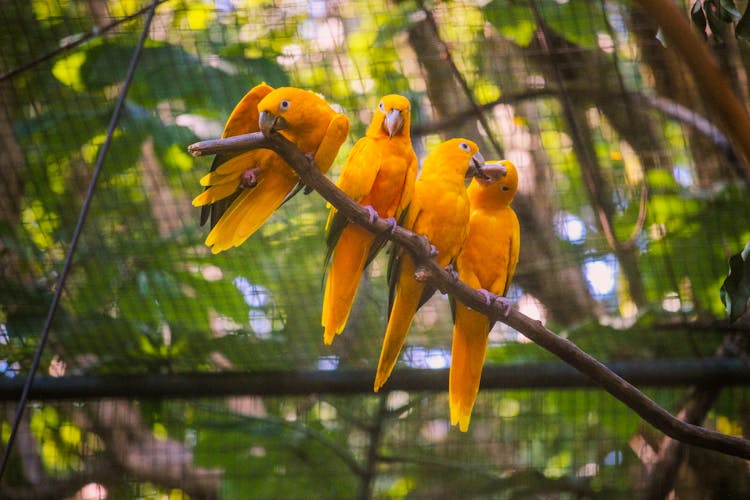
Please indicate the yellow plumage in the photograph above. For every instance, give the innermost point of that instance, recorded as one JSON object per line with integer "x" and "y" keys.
{"x": 379, "y": 173}
{"x": 242, "y": 191}
{"x": 440, "y": 211}
{"x": 487, "y": 261}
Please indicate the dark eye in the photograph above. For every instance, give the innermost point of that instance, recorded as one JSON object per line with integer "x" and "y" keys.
{"x": 382, "y": 107}
{"x": 465, "y": 147}
{"x": 284, "y": 105}
{"x": 506, "y": 188}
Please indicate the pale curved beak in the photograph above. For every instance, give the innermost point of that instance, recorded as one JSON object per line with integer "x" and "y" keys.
{"x": 268, "y": 122}
{"x": 475, "y": 165}
{"x": 492, "y": 171}
{"x": 394, "y": 122}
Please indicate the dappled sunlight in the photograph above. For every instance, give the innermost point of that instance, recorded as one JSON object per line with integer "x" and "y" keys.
{"x": 570, "y": 227}
{"x": 435, "y": 431}
{"x": 531, "y": 307}
{"x": 419, "y": 357}
{"x": 600, "y": 275}
{"x": 92, "y": 491}
{"x": 328, "y": 363}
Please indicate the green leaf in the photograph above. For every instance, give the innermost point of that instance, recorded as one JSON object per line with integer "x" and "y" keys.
{"x": 742, "y": 30}
{"x": 400, "y": 22}
{"x": 735, "y": 291}
{"x": 716, "y": 19}
{"x": 515, "y": 22}
{"x": 698, "y": 17}
{"x": 728, "y": 11}
{"x": 566, "y": 19}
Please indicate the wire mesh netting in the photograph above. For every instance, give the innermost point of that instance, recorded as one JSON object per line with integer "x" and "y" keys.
{"x": 631, "y": 202}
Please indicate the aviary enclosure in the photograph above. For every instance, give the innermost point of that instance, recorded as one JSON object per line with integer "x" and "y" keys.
{"x": 168, "y": 372}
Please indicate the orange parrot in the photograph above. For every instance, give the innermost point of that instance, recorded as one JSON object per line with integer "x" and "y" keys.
{"x": 242, "y": 191}
{"x": 487, "y": 263}
{"x": 379, "y": 174}
{"x": 439, "y": 210}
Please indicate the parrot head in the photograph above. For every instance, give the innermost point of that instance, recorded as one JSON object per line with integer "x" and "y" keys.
{"x": 392, "y": 116}
{"x": 500, "y": 177}
{"x": 293, "y": 110}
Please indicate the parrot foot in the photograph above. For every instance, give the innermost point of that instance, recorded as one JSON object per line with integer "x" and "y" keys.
{"x": 372, "y": 213}
{"x": 451, "y": 269}
{"x": 307, "y": 190}
{"x": 311, "y": 160}
{"x": 249, "y": 178}
{"x": 489, "y": 297}
{"x": 429, "y": 247}
{"x": 392, "y": 222}
{"x": 505, "y": 303}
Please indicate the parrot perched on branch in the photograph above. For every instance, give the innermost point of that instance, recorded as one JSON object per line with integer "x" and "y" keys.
{"x": 379, "y": 174}
{"x": 486, "y": 262}
{"x": 242, "y": 191}
{"x": 439, "y": 210}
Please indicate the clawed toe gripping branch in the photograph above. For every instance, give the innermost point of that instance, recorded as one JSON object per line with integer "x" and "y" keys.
{"x": 475, "y": 299}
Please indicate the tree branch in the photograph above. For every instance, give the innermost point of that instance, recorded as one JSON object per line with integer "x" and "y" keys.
{"x": 533, "y": 329}
{"x": 711, "y": 80}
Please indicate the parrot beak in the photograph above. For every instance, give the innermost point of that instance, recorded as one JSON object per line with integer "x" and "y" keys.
{"x": 393, "y": 123}
{"x": 475, "y": 166}
{"x": 492, "y": 171}
{"x": 268, "y": 122}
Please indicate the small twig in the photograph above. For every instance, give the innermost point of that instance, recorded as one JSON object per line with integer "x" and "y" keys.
{"x": 231, "y": 145}
{"x": 533, "y": 329}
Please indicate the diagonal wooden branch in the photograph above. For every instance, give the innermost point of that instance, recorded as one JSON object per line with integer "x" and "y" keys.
{"x": 444, "y": 281}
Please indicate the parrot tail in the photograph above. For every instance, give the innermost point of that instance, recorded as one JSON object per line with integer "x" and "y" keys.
{"x": 347, "y": 264}
{"x": 250, "y": 210}
{"x": 470, "y": 334}
{"x": 404, "y": 307}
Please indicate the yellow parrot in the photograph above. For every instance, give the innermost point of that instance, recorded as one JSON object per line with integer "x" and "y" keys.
{"x": 486, "y": 262}
{"x": 242, "y": 191}
{"x": 439, "y": 210}
{"x": 379, "y": 174}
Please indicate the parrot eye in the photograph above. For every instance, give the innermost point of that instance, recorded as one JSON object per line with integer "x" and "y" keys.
{"x": 381, "y": 106}
{"x": 284, "y": 105}
{"x": 506, "y": 188}
{"x": 465, "y": 147}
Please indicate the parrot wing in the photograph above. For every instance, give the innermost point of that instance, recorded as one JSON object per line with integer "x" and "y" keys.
{"x": 243, "y": 120}
{"x": 356, "y": 180}
{"x": 408, "y": 219}
{"x": 515, "y": 251}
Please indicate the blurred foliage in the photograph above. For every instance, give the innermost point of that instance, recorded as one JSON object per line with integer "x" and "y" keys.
{"x": 146, "y": 296}
{"x": 735, "y": 291}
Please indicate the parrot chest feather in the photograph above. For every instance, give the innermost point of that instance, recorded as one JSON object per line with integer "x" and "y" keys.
{"x": 446, "y": 223}
{"x": 486, "y": 252}
{"x": 388, "y": 187}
